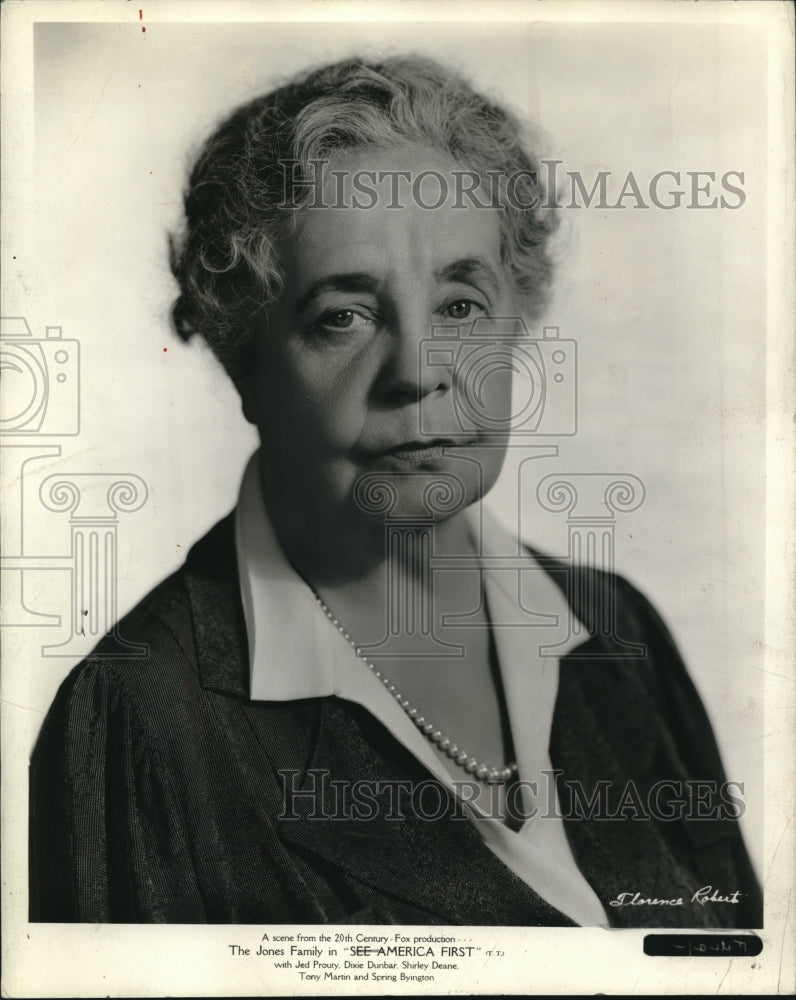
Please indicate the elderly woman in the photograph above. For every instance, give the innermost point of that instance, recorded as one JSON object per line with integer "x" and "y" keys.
{"x": 339, "y": 719}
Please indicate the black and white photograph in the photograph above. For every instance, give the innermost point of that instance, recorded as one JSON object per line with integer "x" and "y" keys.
{"x": 397, "y": 449}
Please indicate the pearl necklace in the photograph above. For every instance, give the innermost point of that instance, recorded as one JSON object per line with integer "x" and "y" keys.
{"x": 483, "y": 772}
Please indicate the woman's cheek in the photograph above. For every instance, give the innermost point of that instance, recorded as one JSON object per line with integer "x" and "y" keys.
{"x": 340, "y": 402}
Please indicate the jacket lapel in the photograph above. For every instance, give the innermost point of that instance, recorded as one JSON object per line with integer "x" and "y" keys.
{"x": 369, "y": 808}
{"x": 219, "y": 629}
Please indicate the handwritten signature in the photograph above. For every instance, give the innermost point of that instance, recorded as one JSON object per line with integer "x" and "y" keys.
{"x": 707, "y": 894}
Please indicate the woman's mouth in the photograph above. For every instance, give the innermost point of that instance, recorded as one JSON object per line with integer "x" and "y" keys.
{"x": 412, "y": 452}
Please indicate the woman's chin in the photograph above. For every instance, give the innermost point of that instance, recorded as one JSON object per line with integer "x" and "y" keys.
{"x": 431, "y": 483}
{"x": 420, "y": 495}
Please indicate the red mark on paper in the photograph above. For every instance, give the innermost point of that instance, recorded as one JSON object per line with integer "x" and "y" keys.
{"x": 165, "y": 349}
{"x": 140, "y": 15}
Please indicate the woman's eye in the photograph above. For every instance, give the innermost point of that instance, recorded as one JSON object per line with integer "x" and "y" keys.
{"x": 461, "y": 309}
{"x": 342, "y": 319}
{"x": 350, "y": 321}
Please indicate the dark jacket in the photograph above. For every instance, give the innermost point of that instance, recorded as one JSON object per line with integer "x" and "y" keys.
{"x": 157, "y": 792}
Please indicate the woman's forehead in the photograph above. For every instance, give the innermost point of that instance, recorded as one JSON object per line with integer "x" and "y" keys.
{"x": 409, "y": 241}
{"x": 390, "y": 178}
{"x": 383, "y": 210}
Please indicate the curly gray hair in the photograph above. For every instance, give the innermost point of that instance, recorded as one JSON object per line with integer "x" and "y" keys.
{"x": 225, "y": 258}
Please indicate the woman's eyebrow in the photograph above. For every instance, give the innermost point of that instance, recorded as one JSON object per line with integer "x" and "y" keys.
{"x": 470, "y": 270}
{"x": 352, "y": 281}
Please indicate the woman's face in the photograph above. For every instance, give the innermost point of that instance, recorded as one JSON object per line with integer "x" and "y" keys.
{"x": 346, "y": 382}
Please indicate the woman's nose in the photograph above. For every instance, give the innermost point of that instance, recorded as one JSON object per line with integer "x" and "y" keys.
{"x": 411, "y": 369}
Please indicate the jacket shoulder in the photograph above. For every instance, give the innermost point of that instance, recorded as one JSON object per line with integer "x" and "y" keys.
{"x": 153, "y": 654}
{"x": 591, "y": 592}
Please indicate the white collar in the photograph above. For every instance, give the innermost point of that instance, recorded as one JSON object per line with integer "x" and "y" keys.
{"x": 290, "y": 639}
